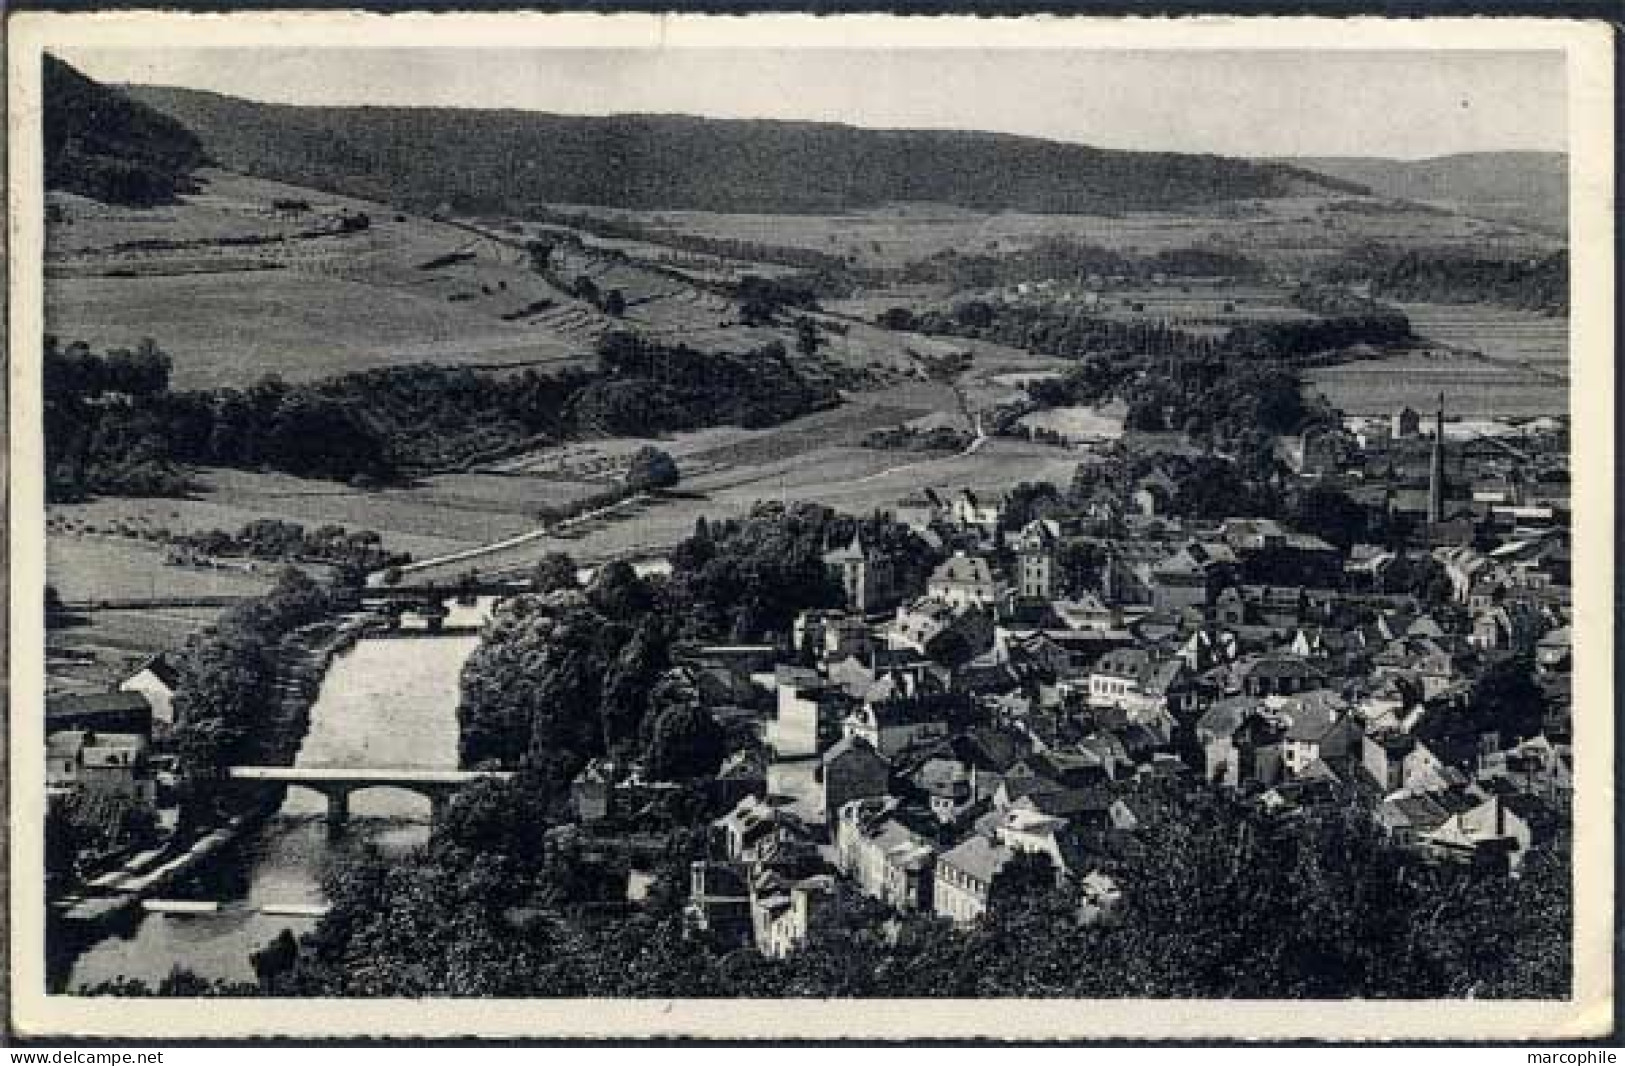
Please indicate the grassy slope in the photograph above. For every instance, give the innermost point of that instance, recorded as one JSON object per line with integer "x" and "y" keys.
{"x": 335, "y": 304}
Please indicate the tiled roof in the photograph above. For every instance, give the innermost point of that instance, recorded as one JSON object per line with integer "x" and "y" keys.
{"x": 852, "y": 746}
{"x": 962, "y": 570}
{"x": 1404, "y": 810}
{"x": 978, "y": 857}
{"x": 95, "y": 702}
{"x": 162, "y": 669}
{"x": 1311, "y": 724}
{"x": 1123, "y": 662}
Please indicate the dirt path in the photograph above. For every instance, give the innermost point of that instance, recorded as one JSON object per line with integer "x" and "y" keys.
{"x": 970, "y": 449}
{"x": 525, "y": 538}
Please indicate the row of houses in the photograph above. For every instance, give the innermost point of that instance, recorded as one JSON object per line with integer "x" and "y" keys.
{"x": 915, "y": 743}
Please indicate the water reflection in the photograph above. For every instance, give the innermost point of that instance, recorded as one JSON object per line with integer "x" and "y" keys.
{"x": 389, "y": 702}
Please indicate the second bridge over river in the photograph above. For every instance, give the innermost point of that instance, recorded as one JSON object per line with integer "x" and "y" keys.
{"x": 338, "y": 783}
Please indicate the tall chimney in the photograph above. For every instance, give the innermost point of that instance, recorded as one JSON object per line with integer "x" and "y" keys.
{"x": 1436, "y": 469}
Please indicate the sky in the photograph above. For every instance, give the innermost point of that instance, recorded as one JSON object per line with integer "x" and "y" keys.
{"x": 1399, "y": 104}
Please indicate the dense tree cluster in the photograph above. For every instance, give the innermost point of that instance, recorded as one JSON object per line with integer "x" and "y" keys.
{"x": 762, "y": 299}
{"x": 85, "y": 828}
{"x": 227, "y": 708}
{"x": 112, "y": 426}
{"x": 569, "y": 674}
{"x": 938, "y": 439}
{"x": 509, "y": 161}
{"x": 103, "y": 429}
{"x": 1240, "y": 407}
{"x": 1220, "y": 901}
{"x": 651, "y": 468}
{"x": 1301, "y": 340}
{"x": 1067, "y": 259}
{"x": 360, "y": 550}
{"x": 650, "y": 385}
{"x": 1076, "y": 334}
{"x": 1538, "y": 283}
{"x": 1048, "y": 257}
{"x": 103, "y": 145}
{"x": 1203, "y": 486}
{"x": 1505, "y": 700}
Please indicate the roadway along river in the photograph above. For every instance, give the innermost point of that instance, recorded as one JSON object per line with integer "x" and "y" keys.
{"x": 388, "y": 702}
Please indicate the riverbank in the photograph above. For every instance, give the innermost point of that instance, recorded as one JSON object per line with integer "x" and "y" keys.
{"x": 111, "y": 900}
{"x": 380, "y": 703}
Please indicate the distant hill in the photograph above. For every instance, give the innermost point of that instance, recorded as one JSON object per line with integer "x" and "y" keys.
{"x": 1529, "y": 187}
{"x": 473, "y": 160}
{"x": 101, "y": 144}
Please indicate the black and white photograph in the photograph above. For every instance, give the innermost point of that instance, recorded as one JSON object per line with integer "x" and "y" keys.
{"x": 741, "y": 523}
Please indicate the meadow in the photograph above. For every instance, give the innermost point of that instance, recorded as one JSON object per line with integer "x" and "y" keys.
{"x": 231, "y": 329}
{"x": 318, "y": 307}
{"x": 856, "y": 480}
{"x": 103, "y": 647}
{"x": 1491, "y": 361}
{"x": 1501, "y": 333}
{"x": 1284, "y": 231}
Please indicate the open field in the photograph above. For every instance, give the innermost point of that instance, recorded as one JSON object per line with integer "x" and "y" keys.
{"x": 406, "y": 289}
{"x": 439, "y": 514}
{"x": 1370, "y": 389}
{"x": 1522, "y": 373}
{"x": 1283, "y": 231}
{"x": 1078, "y": 423}
{"x": 1470, "y": 386}
{"x": 106, "y": 645}
{"x": 110, "y": 646}
{"x": 855, "y": 480}
{"x": 452, "y": 512}
{"x": 1498, "y": 332}
{"x": 231, "y": 329}
{"x": 318, "y": 306}
{"x": 97, "y": 566}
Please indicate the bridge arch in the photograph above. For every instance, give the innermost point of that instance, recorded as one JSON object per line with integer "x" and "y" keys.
{"x": 336, "y": 786}
{"x": 384, "y": 800}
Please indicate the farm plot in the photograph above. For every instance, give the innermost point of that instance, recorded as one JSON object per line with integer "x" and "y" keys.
{"x": 405, "y": 289}
{"x": 1080, "y": 423}
{"x": 1522, "y": 371}
{"x": 725, "y": 471}
{"x": 1286, "y": 231}
{"x": 1542, "y": 341}
{"x": 446, "y": 512}
{"x": 103, "y": 646}
{"x": 856, "y": 480}
{"x": 231, "y": 329}
{"x": 94, "y": 566}
{"x": 107, "y": 646}
{"x": 440, "y": 514}
{"x": 1470, "y": 387}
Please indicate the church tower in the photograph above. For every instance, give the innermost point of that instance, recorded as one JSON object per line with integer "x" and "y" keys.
{"x": 864, "y": 576}
{"x": 1436, "y": 469}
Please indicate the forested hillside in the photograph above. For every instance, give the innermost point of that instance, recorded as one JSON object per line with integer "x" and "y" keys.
{"x": 499, "y": 160}
{"x": 1529, "y": 188}
{"x": 101, "y": 144}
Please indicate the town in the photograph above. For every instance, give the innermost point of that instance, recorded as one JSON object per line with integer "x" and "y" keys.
{"x": 865, "y": 576}
{"x": 1041, "y": 676}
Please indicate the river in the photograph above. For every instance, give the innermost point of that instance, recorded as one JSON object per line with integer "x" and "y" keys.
{"x": 388, "y": 702}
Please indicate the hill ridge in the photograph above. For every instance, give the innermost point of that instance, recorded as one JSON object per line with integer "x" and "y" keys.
{"x": 499, "y": 159}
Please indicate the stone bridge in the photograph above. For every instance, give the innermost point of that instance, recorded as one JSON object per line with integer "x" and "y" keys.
{"x": 336, "y": 784}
